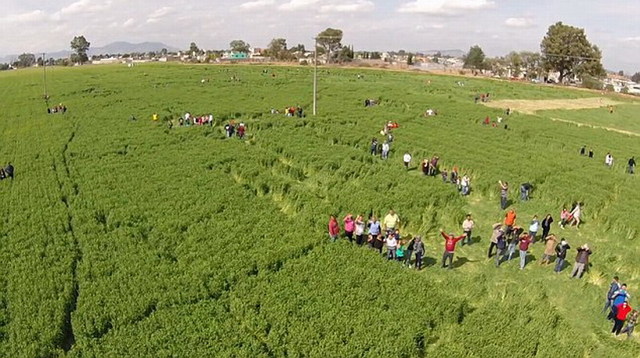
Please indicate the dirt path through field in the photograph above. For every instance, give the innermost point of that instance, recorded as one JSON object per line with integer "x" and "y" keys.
{"x": 531, "y": 106}
{"x": 596, "y": 127}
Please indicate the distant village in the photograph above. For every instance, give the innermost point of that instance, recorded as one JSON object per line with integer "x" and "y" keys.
{"x": 452, "y": 62}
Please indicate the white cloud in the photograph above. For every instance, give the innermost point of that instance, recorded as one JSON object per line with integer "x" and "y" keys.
{"x": 157, "y": 15}
{"x": 356, "y": 6}
{"x": 519, "y": 22}
{"x": 444, "y": 7}
{"x": 294, "y": 5}
{"x": 631, "y": 39}
{"x": 83, "y": 7}
{"x": 256, "y": 5}
{"x": 27, "y": 17}
{"x": 128, "y": 23}
{"x": 429, "y": 27}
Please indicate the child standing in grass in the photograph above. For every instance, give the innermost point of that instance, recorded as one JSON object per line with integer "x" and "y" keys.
{"x": 631, "y": 323}
{"x": 400, "y": 252}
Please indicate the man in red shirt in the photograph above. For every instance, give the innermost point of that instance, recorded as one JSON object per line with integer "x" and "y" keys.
{"x": 449, "y": 248}
{"x": 525, "y": 241}
{"x": 622, "y": 311}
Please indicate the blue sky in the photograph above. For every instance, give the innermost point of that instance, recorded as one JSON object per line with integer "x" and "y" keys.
{"x": 498, "y": 26}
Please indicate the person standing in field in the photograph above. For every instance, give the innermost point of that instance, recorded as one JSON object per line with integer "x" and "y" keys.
{"x": 501, "y": 244}
{"x": 334, "y": 228}
{"x": 608, "y": 160}
{"x": 623, "y": 310}
{"x": 392, "y": 245}
{"x": 631, "y": 323}
{"x": 619, "y": 297}
{"x": 374, "y": 231}
{"x": 407, "y": 160}
{"x": 409, "y": 252}
{"x": 590, "y": 153}
{"x": 576, "y": 213}
{"x": 391, "y": 221}
{"x": 525, "y": 241}
{"x": 509, "y": 221}
{"x": 514, "y": 239}
{"x": 465, "y": 184}
{"x": 561, "y": 252}
{"x": 418, "y": 249}
{"x": 467, "y": 227}
{"x": 504, "y": 192}
{"x": 374, "y": 146}
{"x": 534, "y": 227}
{"x": 449, "y": 248}
{"x": 631, "y": 165}
{"x": 385, "y": 150}
{"x": 582, "y": 259}
{"x": 400, "y": 251}
{"x": 613, "y": 288}
{"x": 495, "y": 234}
{"x": 564, "y": 217}
{"x": 550, "y": 242}
{"x": 359, "y": 230}
{"x": 546, "y": 225}
{"x": 583, "y": 150}
{"x": 349, "y": 226}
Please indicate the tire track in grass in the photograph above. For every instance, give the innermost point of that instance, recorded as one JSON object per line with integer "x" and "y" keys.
{"x": 63, "y": 175}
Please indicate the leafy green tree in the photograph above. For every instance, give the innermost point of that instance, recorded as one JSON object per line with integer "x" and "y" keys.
{"x": 193, "y": 49}
{"x": 515, "y": 63}
{"x": 278, "y": 49}
{"x": 239, "y": 46}
{"x": 329, "y": 41}
{"x": 475, "y": 58}
{"x": 26, "y": 60}
{"x": 565, "y": 49}
{"x": 4, "y": 66}
{"x": 532, "y": 63}
{"x": 636, "y": 77}
{"x": 80, "y": 45}
{"x": 410, "y": 59}
{"x": 346, "y": 54}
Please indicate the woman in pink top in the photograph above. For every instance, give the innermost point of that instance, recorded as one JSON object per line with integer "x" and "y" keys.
{"x": 349, "y": 226}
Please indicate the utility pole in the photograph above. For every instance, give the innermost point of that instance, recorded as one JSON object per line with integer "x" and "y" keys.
{"x": 315, "y": 75}
{"x": 44, "y": 76}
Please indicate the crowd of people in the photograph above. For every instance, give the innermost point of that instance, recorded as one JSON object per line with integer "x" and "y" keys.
{"x": 619, "y": 310}
{"x": 232, "y": 128}
{"x": 608, "y": 159}
{"x": 291, "y": 111}
{"x": 60, "y": 108}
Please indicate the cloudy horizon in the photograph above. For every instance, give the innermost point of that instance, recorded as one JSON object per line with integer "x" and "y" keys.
{"x": 498, "y": 26}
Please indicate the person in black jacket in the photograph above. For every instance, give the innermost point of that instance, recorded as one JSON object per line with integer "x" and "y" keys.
{"x": 561, "y": 251}
{"x": 546, "y": 225}
{"x": 408, "y": 252}
{"x": 9, "y": 171}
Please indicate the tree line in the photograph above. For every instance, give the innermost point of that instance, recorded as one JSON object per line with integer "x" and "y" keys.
{"x": 579, "y": 59}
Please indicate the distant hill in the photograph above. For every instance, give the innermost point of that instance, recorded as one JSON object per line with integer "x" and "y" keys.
{"x": 452, "y": 53}
{"x": 126, "y": 47}
{"x": 121, "y": 47}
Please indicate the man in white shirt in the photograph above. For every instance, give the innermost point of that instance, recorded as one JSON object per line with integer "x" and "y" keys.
{"x": 407, "y": 160}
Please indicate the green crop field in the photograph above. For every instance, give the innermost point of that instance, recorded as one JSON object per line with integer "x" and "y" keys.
{"x": 125, "y": 238}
